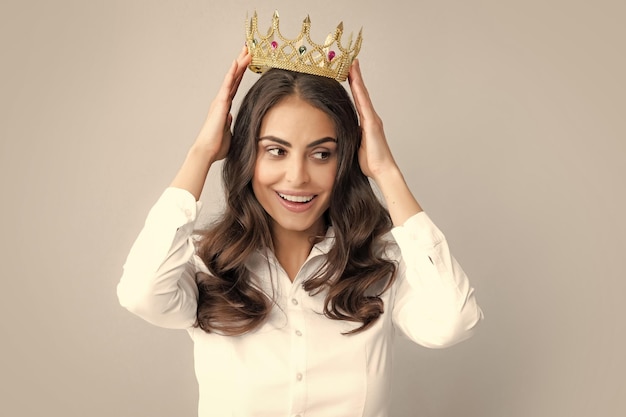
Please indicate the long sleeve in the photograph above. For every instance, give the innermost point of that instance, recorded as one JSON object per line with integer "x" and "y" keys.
{"x": 158, "y": 280}
{"x": 434, "y": 302}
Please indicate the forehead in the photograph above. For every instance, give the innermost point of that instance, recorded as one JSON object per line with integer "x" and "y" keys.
{"x": 294, "y": 118}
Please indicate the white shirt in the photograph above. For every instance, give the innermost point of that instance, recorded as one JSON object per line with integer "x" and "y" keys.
{"x": 297, "y": 363}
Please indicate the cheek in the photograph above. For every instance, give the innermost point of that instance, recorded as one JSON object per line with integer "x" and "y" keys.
{"x": 327, "y": 176}
{"x": 261, "y": 173}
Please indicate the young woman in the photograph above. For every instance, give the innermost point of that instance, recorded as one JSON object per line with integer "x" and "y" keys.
{"x": 293, "y": 297}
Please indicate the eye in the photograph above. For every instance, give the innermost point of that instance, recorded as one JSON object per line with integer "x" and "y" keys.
{"x": 321, "y": 155}
{"x": 276, "y": 151}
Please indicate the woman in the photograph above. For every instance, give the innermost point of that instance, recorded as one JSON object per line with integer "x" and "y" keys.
{"x": 293, "y": 297}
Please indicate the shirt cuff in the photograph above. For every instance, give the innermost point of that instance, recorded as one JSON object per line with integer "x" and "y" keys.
{"x": 176, "y": 207}
{"x": 419, "y": 230}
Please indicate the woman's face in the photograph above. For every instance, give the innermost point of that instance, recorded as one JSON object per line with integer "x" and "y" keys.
{"x": 296, "y": 166}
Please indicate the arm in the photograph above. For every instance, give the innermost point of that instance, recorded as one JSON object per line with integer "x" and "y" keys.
{"x": 434, "y": 302}
{"x": 375, "y": 157}
{"x": 213, "y": 140}
{"x": 158, "y": 282}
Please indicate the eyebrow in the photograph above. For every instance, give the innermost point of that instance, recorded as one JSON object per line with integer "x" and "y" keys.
{"x": 288, "y": 145}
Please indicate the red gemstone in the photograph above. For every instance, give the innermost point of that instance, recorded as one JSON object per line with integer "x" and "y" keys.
{"x": 274, "y": 44}
{"x": 331, "y": 55}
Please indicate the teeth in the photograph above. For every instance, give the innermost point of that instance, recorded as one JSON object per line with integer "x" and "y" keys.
{"x": 296, "y": 198}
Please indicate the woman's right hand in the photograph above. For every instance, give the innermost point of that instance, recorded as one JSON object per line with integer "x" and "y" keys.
{"x": 213, "y": 140}
{"x": 214, "y": 137}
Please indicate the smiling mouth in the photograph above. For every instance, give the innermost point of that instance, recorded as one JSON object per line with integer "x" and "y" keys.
{"x": 297, "y": 198}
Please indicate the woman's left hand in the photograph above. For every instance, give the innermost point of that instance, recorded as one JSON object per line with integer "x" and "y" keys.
{"x": 375, "y": 156}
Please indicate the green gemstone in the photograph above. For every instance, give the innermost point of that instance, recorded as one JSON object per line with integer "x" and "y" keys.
{"x": 302, "y": 50}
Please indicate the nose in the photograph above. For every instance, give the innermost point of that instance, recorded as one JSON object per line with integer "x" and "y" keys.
{"x": 297, "y": 171}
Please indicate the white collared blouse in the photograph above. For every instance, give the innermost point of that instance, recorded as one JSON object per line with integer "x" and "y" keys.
{"x": 298, "y": 363}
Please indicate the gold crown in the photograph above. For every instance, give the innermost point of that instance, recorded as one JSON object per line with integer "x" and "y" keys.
{"x": 330, "y": 59}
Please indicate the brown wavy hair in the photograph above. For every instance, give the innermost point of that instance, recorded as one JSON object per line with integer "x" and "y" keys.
{"x": 354, "y": 275}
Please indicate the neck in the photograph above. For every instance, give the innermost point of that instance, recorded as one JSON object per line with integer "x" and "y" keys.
{"x": 291, "y": 248}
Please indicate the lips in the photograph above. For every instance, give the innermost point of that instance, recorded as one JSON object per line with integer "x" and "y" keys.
{"x": 296, "y": 198}
{"x": 296, "y": 203}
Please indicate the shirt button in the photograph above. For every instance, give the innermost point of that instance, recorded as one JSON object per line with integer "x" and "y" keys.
{"x": 299, "y": 376}
{"x": 294, "y": 301}
{"x": 298, "y": 333}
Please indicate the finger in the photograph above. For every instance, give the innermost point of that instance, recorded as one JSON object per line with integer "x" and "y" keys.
{"x": 243, "y": 52}
{"x": 242, "y": 64}
{"x": 224, "y": 92}
{"x": 353, "y": 75}
{"x": 233, "y": 77}
{"x": 229, "y": 122}
{"x": 360, "y": 94}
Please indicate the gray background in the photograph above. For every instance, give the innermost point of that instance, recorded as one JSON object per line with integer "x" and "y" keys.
{"x": 507, "y": 118}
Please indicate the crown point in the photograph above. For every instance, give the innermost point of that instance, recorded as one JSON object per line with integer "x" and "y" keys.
{"x": 330, "y": 39}
{"x": 254, "y": 18}
{"x": 275, "y": 14}
{"x": 340, "y": 26}
{"x": 306, "y": 25}
{"x": 350, "y": 41}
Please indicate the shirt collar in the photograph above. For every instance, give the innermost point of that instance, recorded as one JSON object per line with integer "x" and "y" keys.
{"x": 320, "y": 248}
{"x": 324, "y": 246}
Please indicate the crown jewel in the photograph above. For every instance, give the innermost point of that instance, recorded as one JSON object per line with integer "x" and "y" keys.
{"x": 331, "y": 59}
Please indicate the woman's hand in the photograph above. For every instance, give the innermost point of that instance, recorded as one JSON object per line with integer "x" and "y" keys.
{"x": 375, "y": 156}
{"x": 215, "y": 135}
{"x": 214, "y": 138}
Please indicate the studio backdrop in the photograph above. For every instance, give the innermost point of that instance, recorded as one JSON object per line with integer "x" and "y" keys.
{"x": 506, "y": 117}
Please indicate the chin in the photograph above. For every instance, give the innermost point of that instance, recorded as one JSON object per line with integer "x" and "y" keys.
{"x": 311, "y": 226}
